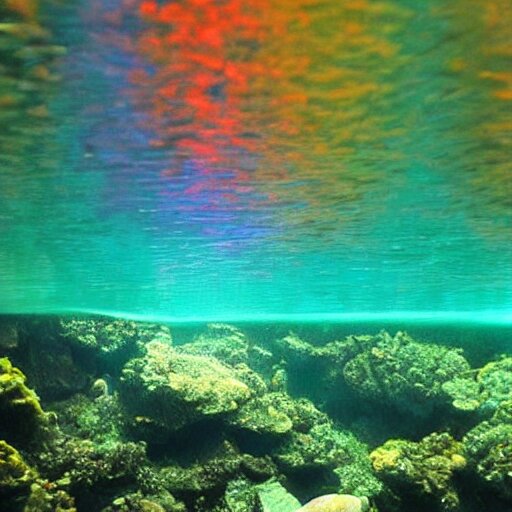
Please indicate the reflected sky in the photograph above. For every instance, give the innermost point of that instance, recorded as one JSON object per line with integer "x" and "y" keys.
{"x": 216, "y": 158}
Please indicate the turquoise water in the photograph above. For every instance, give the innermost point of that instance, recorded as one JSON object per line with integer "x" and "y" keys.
{"x": 274, "y": 161}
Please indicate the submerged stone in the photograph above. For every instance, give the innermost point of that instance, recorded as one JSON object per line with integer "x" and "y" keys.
{"x": 20, "y": 411}
{"x": 175, "y": 390}
{"x": 406, "y": 375}
{"x": 275, "y": 498}
{"x": 336, "y": 503}
{"x": 425, "y": 469}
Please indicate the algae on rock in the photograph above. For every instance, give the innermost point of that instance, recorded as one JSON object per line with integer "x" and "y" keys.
{"x": 175, "y": 389}
{"x": 404, "y": 374}
{"x": 484, "y": 390}
{"x": 488, "y": 447}
{"x": 20, "y": 410}
{"x": 424, "y": 469}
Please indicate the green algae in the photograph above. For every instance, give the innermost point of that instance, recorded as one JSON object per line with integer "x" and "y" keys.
{"x": 19, "y": 405}
{"x": 488, "y": 447}
{"x": 404, "y": 374}
{"x": 424, "y": 468}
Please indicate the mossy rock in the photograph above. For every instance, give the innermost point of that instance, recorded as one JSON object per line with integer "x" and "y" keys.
{"x": 488, "y": 447}
{"x": 276, "y": 413}
{"x": 107, "y": 336}
{"x": 15, "y": 475}
{"x": 325, "y": 448}
{"x": 174, "y": 389}
{"x": 401, "y": 373}
{"x": 275, "y": 498}
{"x": 482, "y": 390}
{"x": 424, "y": 469}
{"x": 221, "y": 341}
{"x": 20, "y": 411}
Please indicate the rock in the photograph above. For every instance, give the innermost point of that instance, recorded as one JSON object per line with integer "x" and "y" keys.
{"x": 15, "y": 475}
{"x": 401, "y": 373}
{"x": 275, "y": 498}
{"x": 336, "y": 503}
{"x": 8, "y": 337}
{"x": 174, "y": 390}
{"x": 424, "y": 469}
{"x": 20, "y": 411}
{"x": 488, "y": 447}
{"x": 223, "y": 342}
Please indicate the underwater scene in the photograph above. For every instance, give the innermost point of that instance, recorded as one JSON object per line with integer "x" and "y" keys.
{"x": 255, "y": 256}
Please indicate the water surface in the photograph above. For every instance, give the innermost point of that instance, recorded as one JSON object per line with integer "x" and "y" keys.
{"x": 263, "y": 159}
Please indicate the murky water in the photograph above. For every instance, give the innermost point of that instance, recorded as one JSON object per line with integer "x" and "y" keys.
{"x": 240, "y": 159}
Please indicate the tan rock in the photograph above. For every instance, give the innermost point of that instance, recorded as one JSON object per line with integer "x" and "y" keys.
{"x": 336, "y": 503}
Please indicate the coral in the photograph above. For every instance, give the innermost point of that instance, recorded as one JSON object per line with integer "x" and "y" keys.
{"x": 108, "y": 336}
{"x": 261, "y": 415}
{"x": 464, "y": 392}
{"x": 20, "y": 411}
{"x": 21, "y": 486}
{"x": 424, "y": 469}
{"x": 404, "y": 374}
{"x": 488, "y": 448}
{"x": 174, "y": 390}
{"x": 81, "y": 467}
{"x": 276, "y": 414}
{"x": 495, "y": 379}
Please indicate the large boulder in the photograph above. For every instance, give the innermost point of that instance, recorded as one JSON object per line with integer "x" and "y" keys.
{"x": 173, "y": 390}
{"x": 408, "y": 376}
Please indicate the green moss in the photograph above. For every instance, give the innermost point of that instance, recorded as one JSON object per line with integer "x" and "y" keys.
{"x": 174, "y": 390}
{"x": 404, "y": 374}
{"x": 488, "y": 448}
{"x": 223, "y": 342}
{"x": 325, "y": 448}
{"x": 20, "y": 411}
{"x": 15, "y": 475}
{"x": 211, "y": 477}
{"x": 138, "y": 502}
{"x": 100, "y": 419}
{"x": 82, "y": 468}
{"x": 108, "y": 336}
{"x": 45, "y": 497}
{"x": 464, "y": 392}
{"x": 484, "y": 389}
{"x": 263, "y": 415}
{"x": 424, "y": 469}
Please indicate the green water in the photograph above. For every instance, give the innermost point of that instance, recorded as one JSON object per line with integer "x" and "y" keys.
{"x": 270, "y": 161}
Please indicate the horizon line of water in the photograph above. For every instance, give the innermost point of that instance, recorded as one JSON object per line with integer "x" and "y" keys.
{"x": 427, "y": 317}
